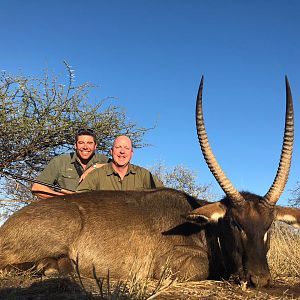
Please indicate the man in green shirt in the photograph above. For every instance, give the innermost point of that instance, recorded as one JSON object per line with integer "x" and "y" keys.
{"x": 119, "y": 174}
{"x": 66, "y": 170}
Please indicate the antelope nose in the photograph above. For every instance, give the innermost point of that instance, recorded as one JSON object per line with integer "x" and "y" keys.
{"x": 260, "y": 281}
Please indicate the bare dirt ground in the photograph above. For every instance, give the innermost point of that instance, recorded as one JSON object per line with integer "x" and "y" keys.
{"x": 39, "y": 288}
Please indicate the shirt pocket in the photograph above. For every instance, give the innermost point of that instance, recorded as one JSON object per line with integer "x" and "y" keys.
{"x": 69, "y": 179}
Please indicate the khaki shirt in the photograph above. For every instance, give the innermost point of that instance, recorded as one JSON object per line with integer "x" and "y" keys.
{"x": 105, "y": 178}
{"x": 61, "y": 170}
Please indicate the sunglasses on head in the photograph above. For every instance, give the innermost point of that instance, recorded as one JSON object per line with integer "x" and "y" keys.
{"x": 85, "y": 130}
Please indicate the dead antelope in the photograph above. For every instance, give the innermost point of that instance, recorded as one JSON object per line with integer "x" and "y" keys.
{"x": 115, "y": 229}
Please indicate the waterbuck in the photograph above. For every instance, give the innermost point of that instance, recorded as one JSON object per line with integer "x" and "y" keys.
{"x": 116, "y": 230}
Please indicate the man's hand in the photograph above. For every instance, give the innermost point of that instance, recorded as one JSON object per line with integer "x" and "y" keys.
{"x": 90, "y": 169}
{"x": 45, "y": 192}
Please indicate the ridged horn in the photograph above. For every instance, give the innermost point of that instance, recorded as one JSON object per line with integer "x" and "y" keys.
{"x": 283, "y": 170}
{"x": 209, "y": 157}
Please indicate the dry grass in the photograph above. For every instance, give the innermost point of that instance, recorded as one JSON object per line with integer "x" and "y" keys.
{"x": 284, "y": 254}
{"x": 284, "y": 261}
{"x": 29, "y": 285}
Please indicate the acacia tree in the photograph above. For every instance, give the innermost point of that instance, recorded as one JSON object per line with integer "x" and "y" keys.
{"x": 181, "y": 178}
{"x": 38, "y": 120}
{"x": 295, "y": 200}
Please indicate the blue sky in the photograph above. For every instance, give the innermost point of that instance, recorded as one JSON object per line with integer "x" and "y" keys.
{"x": 151, "y": 55}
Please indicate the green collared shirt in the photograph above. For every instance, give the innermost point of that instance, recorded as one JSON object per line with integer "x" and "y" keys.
{"x": 61, "y": 170}
{"x": 105, "y": 178}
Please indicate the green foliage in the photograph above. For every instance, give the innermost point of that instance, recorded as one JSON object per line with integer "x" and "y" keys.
{"x": 181, "y": 178}
{"x": 39, "y": 117}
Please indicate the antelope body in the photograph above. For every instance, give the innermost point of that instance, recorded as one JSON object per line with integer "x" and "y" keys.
{"x": 119, "y": 231}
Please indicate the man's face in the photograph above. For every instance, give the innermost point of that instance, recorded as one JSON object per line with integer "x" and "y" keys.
{"x": 121, "y": 151}
{"x": 85, "y": 147}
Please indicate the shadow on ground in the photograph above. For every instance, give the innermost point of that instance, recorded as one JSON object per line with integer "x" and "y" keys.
{"x": 65, "y": 288}
{"x": 56, "y": 288}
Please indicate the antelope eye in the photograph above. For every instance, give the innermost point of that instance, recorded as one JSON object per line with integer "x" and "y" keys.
{"x": 235, "y": 224}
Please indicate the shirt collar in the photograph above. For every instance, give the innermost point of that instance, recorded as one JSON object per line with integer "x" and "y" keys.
{"x": 110, "y": 170}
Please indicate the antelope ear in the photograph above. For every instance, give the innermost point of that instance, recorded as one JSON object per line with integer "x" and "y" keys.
{"x": 210, "y": 213}
{"x": 288, "y": 215}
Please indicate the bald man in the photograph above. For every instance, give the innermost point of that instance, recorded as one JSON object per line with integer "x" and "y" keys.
{"x": 119, "y": 174}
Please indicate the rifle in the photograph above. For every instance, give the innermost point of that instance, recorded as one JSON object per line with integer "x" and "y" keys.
{"x": 56, "y": 188}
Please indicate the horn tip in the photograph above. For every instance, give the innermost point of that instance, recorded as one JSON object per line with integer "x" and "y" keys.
{"x": 201, "y": 82}
{"x": 286, "y": 80}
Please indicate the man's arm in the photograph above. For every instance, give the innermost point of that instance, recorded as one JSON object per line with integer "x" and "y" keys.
{"x": 49, "y": 176}
{"x": 90, "y": 169}
{"x": 155, "y": 182}
{"x": 150, "y": 181}
{"x": 89, "y": 183}
{"x": 45, "y": 192}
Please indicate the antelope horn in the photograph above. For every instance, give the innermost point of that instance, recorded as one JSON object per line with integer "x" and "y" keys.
{"x": 209, "y": 157}
{"x": 282, "y": 174}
